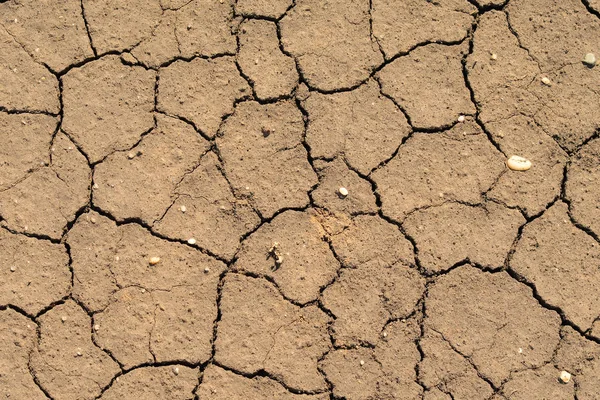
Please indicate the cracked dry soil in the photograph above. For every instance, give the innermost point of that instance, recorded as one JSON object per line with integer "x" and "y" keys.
{"x": 172, "y": 226}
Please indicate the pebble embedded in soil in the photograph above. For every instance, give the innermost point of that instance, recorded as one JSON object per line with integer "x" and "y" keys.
{"x": 13, "y": 268}
{"x": 546, "y": 81}
{"x": 206, "y": 270}
{"x": 183, "y": 209}
{"x": 343, "y": 192}
{"x": 461, "y": 118}
{"x": 154, "y": 260}
{"x": 564, "y": 377}
{"x": 517, "y": 163}
{"x": 589, "y": 60}
{"x": 191, "y": 241}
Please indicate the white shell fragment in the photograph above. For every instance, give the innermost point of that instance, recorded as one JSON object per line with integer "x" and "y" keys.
{"x": 154, "y": 260}
{"x": 589, "y": 59}
{"x": 343, "y": 192}
{"x": 564, "y": 377}
{"x": 517, "y": 163}
{"x": 546, "y": 81}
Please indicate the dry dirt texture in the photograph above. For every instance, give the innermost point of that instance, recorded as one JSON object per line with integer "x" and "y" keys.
{"x": 172, "y": 224}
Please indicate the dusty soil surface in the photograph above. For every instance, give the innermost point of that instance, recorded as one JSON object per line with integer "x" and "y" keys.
{"x": 299, "y": 199}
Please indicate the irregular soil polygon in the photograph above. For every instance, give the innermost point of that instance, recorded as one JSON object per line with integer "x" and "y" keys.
{"x": 562, "y": 262}
{"x": 18, "y": 337}
{"x": 429, "y": 85}
{"x": 444, "y": 368}
{"x": 263, "y": 156}
{"x": 140, "y": 183}
{"x": 48, "y": 199}
{"x": 453, "y": 233}
{"x": 107, "y": 257}
{"x": 66, "y": 362}
{"x": 534, "y": 189}
{"x": 24, "y": 83}
{"x": 259, "y": 330}
{"x": 430, "y": 169}
{"x": 188, "y": 29}
{"x": 331, "y": 42}
{"x": 307, "y": 261}
{"x": 214, "y": 216}
{"x": 488, "y": 318}
{"x": 273, "y": 73}
{"x": 580, "y": 357}
{"x": 52, "y": 32}
{"x": 401, "y": 25}
{"x": 362, "y": 124}
{"x": 388, "y": 371}
{"x": 103, "y": 97}
{"x": 36, "y": 272}
{"x": 201, "y": 91}
{"x": 24, "y": 145}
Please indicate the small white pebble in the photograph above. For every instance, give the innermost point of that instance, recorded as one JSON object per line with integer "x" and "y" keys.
{"x": 191, "y": 241}
{"x": 343, "y": 191}
{"x": 517, "y": 163}
{"x": 384, "y": 334}
{"x": 24, "y": 122}
{"x": 494, "y": 56}
{"x": 546, "y": 81}
{"x": 206, "y": 270}
{"x": 564, "y": 377}
{"x": 130, "y": 155}
{"x": 93, "y": 220}
{"x": 154, "y": 260}
{"x": 63, "y": 319}
{"x": 143, "y": 290}
{"x": 79, "y": 354}
{"x": 520, "y": 350}
{"x": 461, "y": 118}
{"x": 176, "y": 370}
{"x": 96, "y": 327}
{"x": 13, "y": 268}
{"x": 362, "y": 363}
{"x": 183, "y": 209}
{"x": 16, "y": 20}
{"x": 95, "y": 186}
{"x": 589, "y": 59}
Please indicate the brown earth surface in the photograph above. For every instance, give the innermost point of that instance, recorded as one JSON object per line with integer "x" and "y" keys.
{"x": 299, "y": 200}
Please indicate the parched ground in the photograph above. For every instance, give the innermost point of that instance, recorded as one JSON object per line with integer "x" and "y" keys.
{"x": 172, "y": 226}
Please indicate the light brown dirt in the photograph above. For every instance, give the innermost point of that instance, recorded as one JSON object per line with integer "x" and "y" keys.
{"x": 299, "y": 200}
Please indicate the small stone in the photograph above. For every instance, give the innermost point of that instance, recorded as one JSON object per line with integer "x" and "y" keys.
{"x": 517, "y": 163}
{"x": 494, "y": 56}
{"x": 63, "y": 319}
{"x": 131, "y": 156}
{"x": 589, "y": 59}
{"x": 183, "y": 209}
{"x": 564, "y": 377}
{"x": 206, "y": 270}
{"x": 176, "y": 370}
{"x": 384, "y": 334}
{"x": 546, "y": 81}
{"x": 461, "y": 118}
{"x": 96, "y": 327}
{"x": 13, "y": 268}
{"x": 191, "y": 241}
{"x": 79, "y": 354}
{"x": 95, "y": 186}
{"x": 93, "y": 220}
{"x": 343, "y": 192}
{"x": 154, "y": 260}
{"x": 362, "y": 363}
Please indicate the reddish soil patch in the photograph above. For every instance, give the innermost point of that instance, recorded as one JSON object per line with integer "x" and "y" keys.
{"x": 299, "y": 199}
